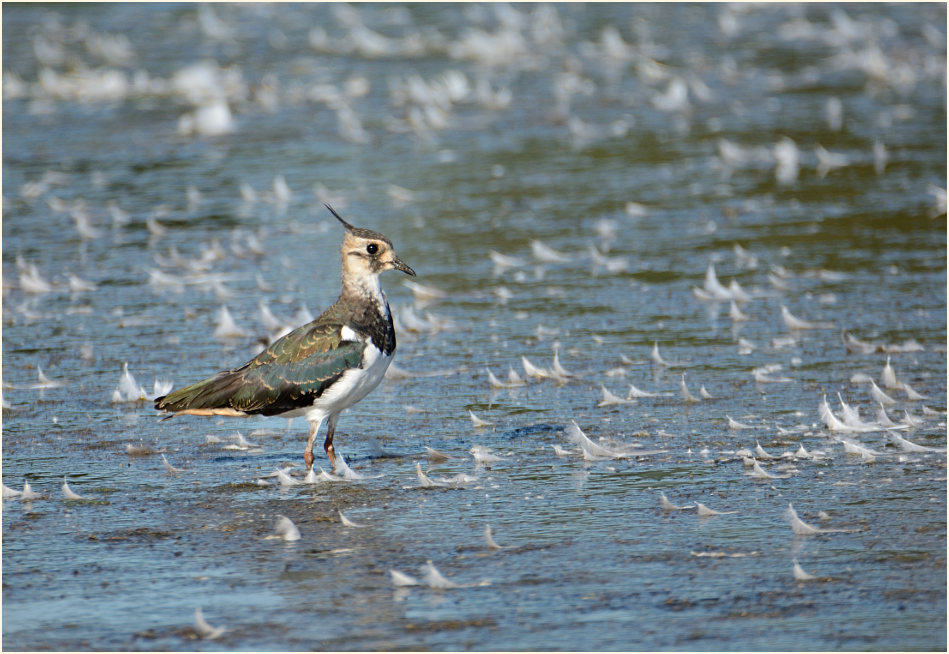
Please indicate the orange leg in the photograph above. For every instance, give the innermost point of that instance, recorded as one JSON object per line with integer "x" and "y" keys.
{"x": 328, "y": 443}
{"x": 308, "y": 452}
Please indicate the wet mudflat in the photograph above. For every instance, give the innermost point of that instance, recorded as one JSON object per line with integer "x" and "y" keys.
{"x": 696, "y": 253}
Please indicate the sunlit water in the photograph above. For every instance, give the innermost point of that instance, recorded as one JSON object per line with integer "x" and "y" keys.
{"x": 813, "y": 137}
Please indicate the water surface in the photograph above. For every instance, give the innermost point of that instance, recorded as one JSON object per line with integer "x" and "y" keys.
{"x": 643, "y": 143}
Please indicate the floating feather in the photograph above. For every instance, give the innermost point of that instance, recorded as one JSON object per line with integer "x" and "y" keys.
{"x": 909, "y": 446}
{"x": 28, "y": 493}
{"x": 533, "y": 371}
{"x": 795, "y": 323}
{"x": 347, "y": 522}
{"x": 714, "y": 287}
{"x": 401, "y": 579}
{"x": 736, "y": 314}
{"x": 798, "y": 526}
{"x": 546, "y": 254}
{"x": 489, "y": 540}
{"x": 226, "y": 327}
{"x": 478, "y": 422}
{"x": 609, "y": 399}
{"x": 558, "y": 369}
{"x": 684, "y": 390}
{"x": 735, "y": 425}
{"x": 69, "y": 494}
{"x": 127, "y": 390}
{"x": 424, "y": 479}
{"x": 483, "y": 456}
{"x": 502, "y": 261}
{"x": 879, "y": 396}
{"x": 757, "y": 472}
{"x": 635, "y": 392}
{"x": 668, "y": 506}
{"x": 343, "y": 470}
{"x": 912, "y": 395}
{"x": 590, "y": 449}
{"x": 865, "y": 453}
{"x": 559, "y": 451}
{"x": 830, "y": 420}
{"x": 884, "y": 420}
{"x": 203, "y": 629}
{"x": 434, "y": 455}
{"x": 800, "y": 575}
{"x": 286, "y": 529}
{"x": 851, "y": 417}
{"x": 912, "y": 420}
{"x": 168, "y": 467}
{"x": 424, "y": 295}
{"x": 434, "y": 579}
{"x": 888, "y": 377}
{"x": 704, "y": 511}
{"x": 657, "y": 358}
{"x": 42, "y": 381}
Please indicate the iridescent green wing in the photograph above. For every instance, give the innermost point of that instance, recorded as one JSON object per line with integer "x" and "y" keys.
{"x": 295, "y": 370}
{"x": 289, "y": 374}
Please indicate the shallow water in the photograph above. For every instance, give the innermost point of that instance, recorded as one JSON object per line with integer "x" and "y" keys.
{"x": 588, "y": 558}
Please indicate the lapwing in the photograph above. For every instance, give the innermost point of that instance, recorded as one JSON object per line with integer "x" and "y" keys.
{"x": 318, "y": 369}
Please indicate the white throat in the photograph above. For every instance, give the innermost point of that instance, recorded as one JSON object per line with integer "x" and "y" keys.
{"x": 368, "y": 286}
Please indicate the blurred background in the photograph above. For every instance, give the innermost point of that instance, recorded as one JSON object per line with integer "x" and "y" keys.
{"x": 585, "y": 180}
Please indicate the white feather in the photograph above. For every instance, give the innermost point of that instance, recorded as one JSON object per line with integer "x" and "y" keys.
{"x": 704, "y": 511}
{"x": 401, "y": 579}
{"x": 684, "y": 390}
{"x": 435, "y": 579}
{"x": 546, "y": 254}
{"x": 347, "y": 522}
{"x": 478, "y": 422}
{"x": 226, "y": 326}
{"x": 609, "y": 399}
{"x": 668, "y": 506}
{"x": 888, "y": 377}
{"x": 558, "y": 369}
{"x": 69, "y": 494}
{"x": 800, "y": 575}
{"x": 168, "y": 467}
{"x": 635, "y": 392}
{"x": 798, "y": 526}
{"x": 286, "y": 529}
{"x": 533, "y": 371}
{"x": 735, "y": 425}
{"x": 795, "y": 323}
{"x": 880, "y": 396}
{"x": 203, "y": 629}
{"x": 590, "y": 449}
{"x": 28, "y": 493}
{"x": 489, "y": 540}
{"x": 482, "y": 455}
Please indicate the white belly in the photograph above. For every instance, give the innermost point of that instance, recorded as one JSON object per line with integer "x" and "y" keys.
{"x": 353, "y": 386}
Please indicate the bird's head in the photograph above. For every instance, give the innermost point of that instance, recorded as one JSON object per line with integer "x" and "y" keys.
{"x": 366, "y": 252}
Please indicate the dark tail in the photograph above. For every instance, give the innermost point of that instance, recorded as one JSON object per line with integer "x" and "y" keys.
{"x": 212, "y": 393}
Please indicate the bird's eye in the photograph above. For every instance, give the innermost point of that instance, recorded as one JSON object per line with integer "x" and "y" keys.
{"x": 372, "y": 248}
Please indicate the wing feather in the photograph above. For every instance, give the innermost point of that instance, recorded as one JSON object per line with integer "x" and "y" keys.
{"x": 289, "y": 374}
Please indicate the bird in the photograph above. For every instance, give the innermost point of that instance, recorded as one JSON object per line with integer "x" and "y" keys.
{"x": 321, "y": 368}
